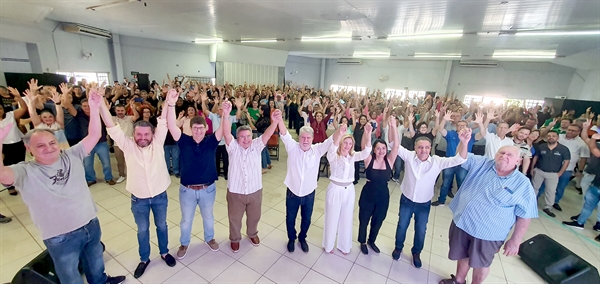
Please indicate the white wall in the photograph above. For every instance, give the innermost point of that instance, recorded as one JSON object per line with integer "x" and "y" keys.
{"x": 14, "y": 50}
{"x": 250, "y": 55}
{"x": 157, "y": 58}
{"x": 590, "y": 89}
{"x": 416, "y": 75}
{"x": 303, "y": 70}
{"x": 512, "y": 80}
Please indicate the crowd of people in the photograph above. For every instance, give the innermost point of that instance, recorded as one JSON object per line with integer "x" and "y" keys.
{"x": 502, "y": 157}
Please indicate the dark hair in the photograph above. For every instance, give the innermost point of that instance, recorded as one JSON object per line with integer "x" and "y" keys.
{"x": 266, "y": 110}
{"x": 119, "y": 106}
{"x": 423, "y": 138}
{"x": 553, "y": 131}
{"x": 361, "y": 116}
{"x": 85, "y": 100}
{"x": 342, "y": 119}
{"x": 421, "y": 124}
{"x": 197, "y": 120}
{"x": 576, "y": 125}
{"x": 143, "y": 123}
{"x": 379, "y": 140}
{"x": 525, "y": 127}
{"x": 566, "y": 118}
{"x": 48, "y": 111}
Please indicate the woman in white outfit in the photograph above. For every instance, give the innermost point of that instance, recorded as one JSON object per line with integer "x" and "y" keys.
{"x": 340, "y": 195}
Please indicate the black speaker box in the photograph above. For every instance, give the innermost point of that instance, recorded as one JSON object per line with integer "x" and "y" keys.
{"x": 555, "y": 263}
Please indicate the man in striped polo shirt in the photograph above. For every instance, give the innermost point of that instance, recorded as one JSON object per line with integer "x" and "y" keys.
{"x": 494, "y": 197}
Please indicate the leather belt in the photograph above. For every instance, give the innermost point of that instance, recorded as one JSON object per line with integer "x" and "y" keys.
{"x": 198, "y": 186}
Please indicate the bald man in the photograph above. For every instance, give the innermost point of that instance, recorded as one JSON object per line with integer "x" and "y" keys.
{"x": 494, "y": 197}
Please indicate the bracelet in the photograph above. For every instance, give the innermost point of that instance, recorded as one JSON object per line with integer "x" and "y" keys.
{"x": 171, "y": 105}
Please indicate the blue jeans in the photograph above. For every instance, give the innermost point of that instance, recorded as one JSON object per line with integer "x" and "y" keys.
{"x": 81, "y": 244}
{"x": 141, "y": 213}
{"x": 563, "y": 181}
{"x": 398, "y": 167}
{"x": 293, "y": 203}
{"x": 421, "y": 212}
{"x": 590, "y": 200}
{"x": 101, "y": 149}
{"x": 172, "y": 152}
{"x": 188, "y": 199}
{"x": 449, "y": 179}
{"x": 265, "y": 158}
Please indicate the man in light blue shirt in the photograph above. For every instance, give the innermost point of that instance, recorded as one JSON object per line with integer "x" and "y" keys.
{"x": 494, "y": 197}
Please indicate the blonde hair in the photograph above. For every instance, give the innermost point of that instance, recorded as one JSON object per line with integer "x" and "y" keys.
{"x": 339, "y": 150}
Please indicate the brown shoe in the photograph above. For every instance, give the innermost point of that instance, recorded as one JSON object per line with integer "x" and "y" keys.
{"x": 255, "y": 241}
{"x": 182, "y": 252}
{"x": 213, "y": 245}
{"x": 111, "y": 182}
{"x": 235, "y": 247}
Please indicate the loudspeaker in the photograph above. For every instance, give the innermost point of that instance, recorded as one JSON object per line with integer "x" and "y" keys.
{"x": 143, "y": 82}
{"x": 555, "y": 263}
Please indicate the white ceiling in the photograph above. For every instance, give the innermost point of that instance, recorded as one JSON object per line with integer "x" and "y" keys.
{"x": 288, "y": 20}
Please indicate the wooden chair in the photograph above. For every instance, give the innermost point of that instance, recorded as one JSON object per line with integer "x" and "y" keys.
{"x": 273, "y": 146}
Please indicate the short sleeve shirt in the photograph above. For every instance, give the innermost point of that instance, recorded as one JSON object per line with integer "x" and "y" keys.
{"x": 551, "y": 161}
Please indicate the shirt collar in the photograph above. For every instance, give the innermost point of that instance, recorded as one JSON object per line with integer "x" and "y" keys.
{"x": 428, "y": 159}
{"x": 513, "y": 173}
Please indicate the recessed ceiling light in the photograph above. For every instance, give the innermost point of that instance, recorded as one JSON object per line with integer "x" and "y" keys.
{"x": 437, "y": 55}
{"x": 399, "y": 37}
{"x": 322, "y": 39}
{"x": 557, "y": 33}
{"x": 258, "y": 40}
{"x": 208, "y": 40}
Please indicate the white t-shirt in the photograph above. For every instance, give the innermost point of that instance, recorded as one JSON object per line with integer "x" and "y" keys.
{"x": 577, "y": 147}
{"x": 14, "y": 135}
{"x": 493, "y": 143}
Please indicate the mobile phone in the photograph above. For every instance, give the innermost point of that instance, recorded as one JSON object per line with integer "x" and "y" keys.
{"x": 138, "y": 100}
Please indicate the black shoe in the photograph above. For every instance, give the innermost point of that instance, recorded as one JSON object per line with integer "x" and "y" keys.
{"x": 169, "y": 259}
{"x": 363, "y": 249}
{"x": 373, "y": 247}
{"x": 290, "y": 246}
{"x": 417, "y": 260}
{"x": 574, "y": 218}
{"x": 177, "y": 175}
{"x": 597, "y": 227}
{"x": 450, "y": 194}
{"x": 303, "y": 245}
{"x": 597, "y": 238}
{"x": 355, "y": 182}
{"x": 573, "y": 224}
{"x": 547, "y": 211}
{"x": 4, "y": 219}
{"x": 225, "y": 177}
{"x": 557, "y": 207}
{"x": 115, "y": 280}
{"x": 141, "y": 268}
{"x": 396, "y": 254}
{"x": 579, "y": 190}
{"x": 437, "y": 203}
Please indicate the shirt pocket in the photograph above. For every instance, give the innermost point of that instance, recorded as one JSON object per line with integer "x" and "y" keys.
{"x": 503, "y": 197}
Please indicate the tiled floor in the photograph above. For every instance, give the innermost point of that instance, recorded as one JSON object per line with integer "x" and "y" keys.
{"x": 270, "y": 262}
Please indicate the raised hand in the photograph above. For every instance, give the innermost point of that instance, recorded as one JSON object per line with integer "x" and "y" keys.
{"x": 552, "y": 123}
{"x": 392, "y": 122}
{"x": 55, "y": 96}
{"x": 95, "y": 98}
{"x": 239, "y": 102}
{"x": 411, "y": 118}
{"x": 33, "y": 86}
{"x": 203, "y": 96}
{"x": 437, "y": 114}
{"x": 276, "y": 116}
{"x": 172, "y": 97}
{"x": 448, "y": 115}
{"x": 29, "y": 95}
{"x": 465, "y": 135}
{"x": 226, "y": 106}
{"x": 586, "y": 124}
{"x": 564, "y": 112}
{"x": 64, "y": 89}
{"x": 368, "y": 128}
{"x": 14, "y": 92}
{"x": 5, "y": 130}
{"x": 514, "y": 127}
{"x": 181, "y": 114}
{"x": 479, "y": 116}
{"x": 491, "y": 114}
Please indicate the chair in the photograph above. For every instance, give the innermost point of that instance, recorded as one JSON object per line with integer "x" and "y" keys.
{"x": 273, "y": 145}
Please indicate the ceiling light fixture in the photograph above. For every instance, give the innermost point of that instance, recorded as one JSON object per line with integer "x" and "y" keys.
{"x": 324, "y": 39}
{"x": 557, "y": 33}
{"x": 436, "y": 56}
{"x": 525, "y": 56}
{"x": 425, "y": 36}
{"x": 258, "y": 40}
{"x": 372, "y": 55}
{"x": 208, "y": 40}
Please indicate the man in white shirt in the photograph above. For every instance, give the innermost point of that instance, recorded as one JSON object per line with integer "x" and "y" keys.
{"x": 418, "y": 188}
{"x": 579, "y": 154}
{"x": 301, "y": 180}
{"x": 126, "y": 123}
{"x": 493, "y": 142}
{"x": 244, "y": 193}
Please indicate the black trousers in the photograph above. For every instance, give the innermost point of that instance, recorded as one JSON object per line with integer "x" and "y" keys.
{"x": 356, "y": 171}
{"x": 222, "y": 154}
{"x": 371, "y": 211}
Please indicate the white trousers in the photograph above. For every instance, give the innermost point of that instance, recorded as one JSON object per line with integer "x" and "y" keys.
{"x": 339, "y": 214}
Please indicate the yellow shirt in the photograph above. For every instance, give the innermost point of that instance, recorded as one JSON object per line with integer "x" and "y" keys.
{"x": 147, "y": 174}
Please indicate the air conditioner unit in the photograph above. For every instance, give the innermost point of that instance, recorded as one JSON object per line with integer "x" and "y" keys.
{"x": 479, "y": 63}
{"x": 85, "y": 30}
{"x": 349, "y": 61}
{"x": 561, "y": 97}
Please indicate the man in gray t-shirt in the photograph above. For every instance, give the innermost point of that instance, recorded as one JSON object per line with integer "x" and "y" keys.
{"x": 54, "y": 189}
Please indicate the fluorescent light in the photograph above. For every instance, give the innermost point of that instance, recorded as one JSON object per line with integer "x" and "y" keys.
{"x": 437, "y": 56}
{"x": 326, "y": 39}
{"x": 258, "y": 40}
{"x": 371, "y": 55}
{"x": 561, "y": 33}
{"x": 208, "y": 40}
{"x": 425, "y": 36}
{"x": 525, "y": 56}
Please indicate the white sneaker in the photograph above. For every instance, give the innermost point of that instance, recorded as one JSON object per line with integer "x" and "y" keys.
{"x": 120, "y": 179}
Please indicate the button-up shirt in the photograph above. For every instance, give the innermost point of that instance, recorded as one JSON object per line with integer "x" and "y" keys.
{"x": 420, "y": 176}
{"x": 245, "y": 167}
{"x": 303, "y": 167}
{"x": 342, "y": 168}
{"x": 147, "y": 174}
{"x": 126, "y": 124}
{"x": 493, "y": 143}
{"x": 487, "y": 205}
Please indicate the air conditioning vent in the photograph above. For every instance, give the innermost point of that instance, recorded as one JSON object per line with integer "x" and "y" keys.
{"x": 350, "y": 61}
{"x": 85, "y": 30}
{"x": 479, "y": 63}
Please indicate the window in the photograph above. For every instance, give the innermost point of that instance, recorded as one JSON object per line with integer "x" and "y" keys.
{"x": 468, "y": 99}
{"x": 394, "y": 92}
{"x": 359, "y": 90}
{"x": 514, "y": 102}
{"x": 493, "y": 101}
{"x": 88, "y": 76}
{"x": 533, "y": 103}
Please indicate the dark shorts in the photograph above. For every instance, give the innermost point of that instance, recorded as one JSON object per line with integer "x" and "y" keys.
{"x": 479, "y": 252}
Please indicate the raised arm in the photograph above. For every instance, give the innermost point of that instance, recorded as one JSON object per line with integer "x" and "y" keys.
{"x": 22, "y": 110}
{"x": 479, "y": 120}
{"x": 592, "y": 145}
{"x": 393, "y": 139}
{"x": 366, "y": 138}
{"x": 464, "y": 136}
{"x": 35, "y": 118}
{"x": 442, "y": 125}
{"x": 275, "y": 118}
{"x": 60, "y": 115}
{"x": 225, "y": 123}
{"x": 411, "y": 127}
{"x": 204, "y": 98}
{"x": 219, "y": 132}
{"x": 7, "y": 175}
{"x": 94, "y": 128}
{"x": 172, "y": 96}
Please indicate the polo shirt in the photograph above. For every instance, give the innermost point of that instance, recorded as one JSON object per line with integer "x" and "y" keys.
{"x": 551, "y": 161}
{"x": 452, "y": 141}
{"x": 197, "y": 160}
{"x": 84, "y": 123}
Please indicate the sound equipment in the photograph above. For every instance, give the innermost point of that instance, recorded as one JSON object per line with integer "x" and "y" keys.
{"x": 143, "y": 82}
{"x": 40, "y": 270}
{"x": 555, "y": 263}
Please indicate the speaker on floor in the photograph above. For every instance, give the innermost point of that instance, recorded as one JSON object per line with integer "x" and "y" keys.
{"x": 555, "y": 263}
